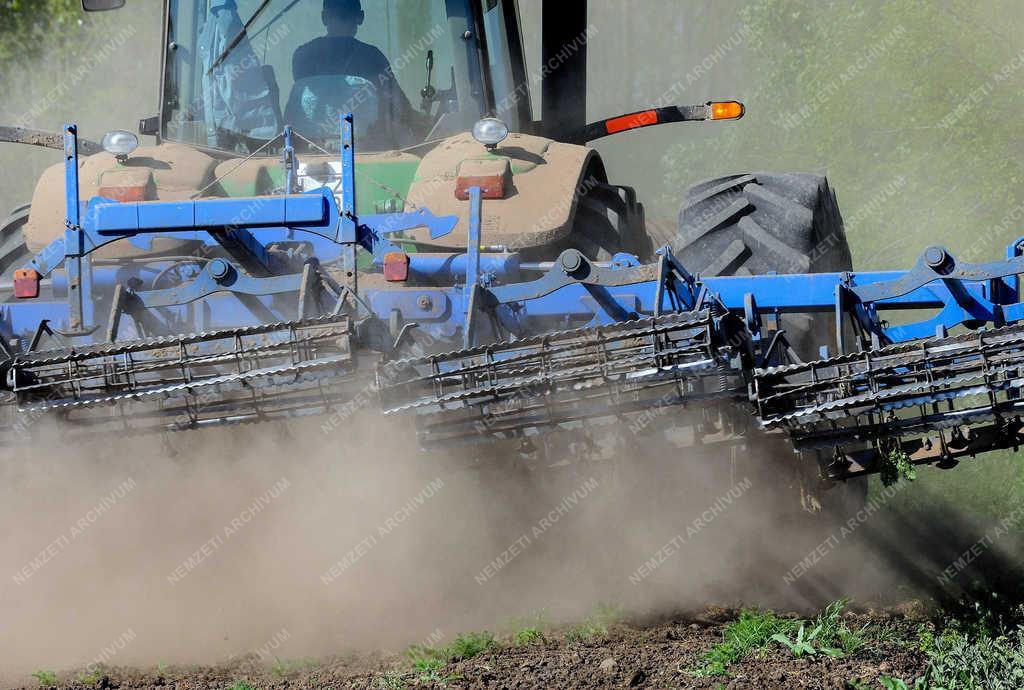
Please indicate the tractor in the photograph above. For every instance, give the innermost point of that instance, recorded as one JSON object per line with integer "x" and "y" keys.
{"x": 405, "y": 213}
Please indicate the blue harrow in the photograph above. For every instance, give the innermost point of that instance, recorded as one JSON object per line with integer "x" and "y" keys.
{"x": 310, "y": 305}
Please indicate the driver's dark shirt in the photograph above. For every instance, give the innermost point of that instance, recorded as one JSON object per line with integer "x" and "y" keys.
{"x": 340, "y": 55}
{"x": 350, "y": 56}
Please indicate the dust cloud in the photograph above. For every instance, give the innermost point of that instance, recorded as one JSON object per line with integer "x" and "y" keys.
{"x": 314, "y": 540}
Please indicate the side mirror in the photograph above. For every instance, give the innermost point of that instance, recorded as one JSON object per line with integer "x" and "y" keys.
{"x": 101, "y": 5}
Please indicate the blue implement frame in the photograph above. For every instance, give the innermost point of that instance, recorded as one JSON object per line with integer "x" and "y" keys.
{"x": 448, "y": 295}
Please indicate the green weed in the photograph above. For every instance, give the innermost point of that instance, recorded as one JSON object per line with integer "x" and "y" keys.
{"x": 836, "y": 634}
{"x": 46, "y": 679}
{"x": 894, "y": 466}
{"x": 468, "y": 645}
{"x": 827, "y": 634}
{"x": 752, "y": 630}
{"x": 806, "y": 642}
{"x": 241, "y": 685}
{"x": 426, "y": 659}
{"x": 527, "y": 636}
{"x": 90, "y": 678}
{"x": 526, "y": 631}
{"x": 830, "y": 634}
{"x": 428, "y": 662}
{"x": 959, "y": 662}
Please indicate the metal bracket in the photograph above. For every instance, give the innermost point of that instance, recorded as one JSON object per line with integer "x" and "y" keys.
{"x": 78, "y": 263}
{"x": 937, "y": 263}
{"x": 310, "y": 287}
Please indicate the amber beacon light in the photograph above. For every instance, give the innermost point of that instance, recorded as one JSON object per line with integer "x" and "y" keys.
{"x": 726, "y": 110}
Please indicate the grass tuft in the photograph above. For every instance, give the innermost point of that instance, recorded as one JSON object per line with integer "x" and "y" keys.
{"x": 47, "y": 679}
{"x": 835, "y": 634}
{"x": 894, "y": 466}
{"x": 90, "y": 678}
{"x": 958, "y": 660}
{"x": 468, "y": 645}
{"x": 528, "y": 630}
{"x": 428, "y": 662}
{"x": 527, "y": 636}
{"x": 752, "y": 630}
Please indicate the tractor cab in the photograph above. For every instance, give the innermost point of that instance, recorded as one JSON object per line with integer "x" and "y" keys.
{"x": 414, "y": 72}
{"x": 411, "y": 71}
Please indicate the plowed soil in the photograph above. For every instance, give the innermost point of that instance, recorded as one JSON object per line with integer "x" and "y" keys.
{"x": 661, "y": 655}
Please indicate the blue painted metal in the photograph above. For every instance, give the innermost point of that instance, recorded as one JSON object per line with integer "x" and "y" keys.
{"x": 348, "y": 180}
{"x": 452, "y": 268}
{"x": 78, "y": 264}
{"x": 387, "y": 223}
{"x": 311, "y": 211}
{"x": 71, "y": 175}
{"x": 448, "y": 291}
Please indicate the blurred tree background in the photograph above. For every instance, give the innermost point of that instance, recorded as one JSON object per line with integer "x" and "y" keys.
{"x": 59, "y": 64}
{"x": 25, "y": 26}
{"x": 910, "y": 106}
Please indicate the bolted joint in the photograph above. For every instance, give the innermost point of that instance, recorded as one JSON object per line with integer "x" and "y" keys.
{"x": 938, "y": 259}
{"x": 571, "y": 260}
{"x": 219, "y": 270}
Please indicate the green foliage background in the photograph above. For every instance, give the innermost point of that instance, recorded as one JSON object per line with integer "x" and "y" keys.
{"x": 25, "y": 26}
{"x": 871, "y": 125}
{"x": 45, "y": 46}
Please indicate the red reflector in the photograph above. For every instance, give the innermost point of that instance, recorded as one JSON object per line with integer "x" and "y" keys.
{"x": 123, "y": 194}
{"x": 621, "y": 124}
{"x": 26, "y": 283}
{"x": 396, "y": 267}
{"x": 491, "y": 186}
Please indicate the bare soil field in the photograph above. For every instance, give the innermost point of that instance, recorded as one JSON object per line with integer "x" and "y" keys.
{"x": 665, "y": 654}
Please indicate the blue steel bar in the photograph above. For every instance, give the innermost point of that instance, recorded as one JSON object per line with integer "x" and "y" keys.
{"x": 80, "y": 303}
{"x": 816, "y": 291}
{"x": 786, "y": 293}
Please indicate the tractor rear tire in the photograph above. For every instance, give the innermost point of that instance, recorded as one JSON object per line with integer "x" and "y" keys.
{"x": 761, "y": 222}
{"x": 12, "y": 241}
{"x": 758, "y": 223}
{"x": 609, "y": 220}
{"x": 765, "y": 222}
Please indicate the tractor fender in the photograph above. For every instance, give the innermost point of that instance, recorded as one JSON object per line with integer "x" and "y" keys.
{"x": 547, "y": 179}
{"x": 166, "y": 172}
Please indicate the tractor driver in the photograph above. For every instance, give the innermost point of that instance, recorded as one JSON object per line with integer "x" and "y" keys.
{"x": 341, "y": 53}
